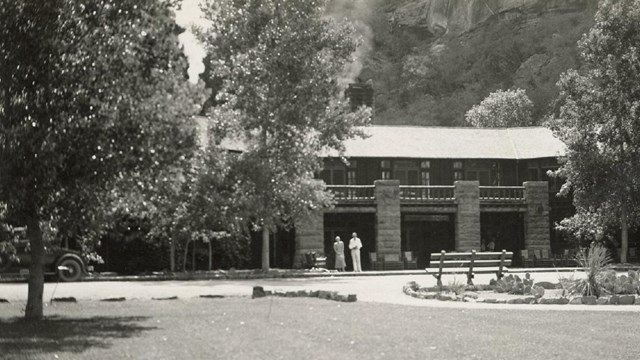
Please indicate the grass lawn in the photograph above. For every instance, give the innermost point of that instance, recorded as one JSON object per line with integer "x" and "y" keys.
{"x": 307, "y": 328}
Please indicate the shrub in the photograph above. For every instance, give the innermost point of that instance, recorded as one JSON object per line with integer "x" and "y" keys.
{"x": 623, "y": 284}
{"x": 456, "y": 286}
{"x": 594, "y": 261}
{"x": 513, "y": 284}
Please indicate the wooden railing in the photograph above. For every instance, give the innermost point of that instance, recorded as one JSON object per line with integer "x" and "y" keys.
{"x": 346, "y": 193}
{"x": 426, "y": 193}
{"x": 502, "y": 193}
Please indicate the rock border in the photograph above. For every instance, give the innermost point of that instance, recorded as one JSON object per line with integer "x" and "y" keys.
{"x": 260, "y": 292}
{"x": 412, "y": 289}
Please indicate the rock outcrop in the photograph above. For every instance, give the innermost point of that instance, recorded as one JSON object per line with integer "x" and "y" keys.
{"x": 458, "y": 16}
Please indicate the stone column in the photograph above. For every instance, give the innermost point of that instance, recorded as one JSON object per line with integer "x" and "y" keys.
{"x": 467, "y": 194}
{"x": 388, "y": 236}
{"x": 536, "y": 219}
{"x": 309, "y": 236}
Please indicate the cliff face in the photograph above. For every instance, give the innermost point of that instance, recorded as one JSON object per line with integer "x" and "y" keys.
{"x": 431, "y": 60}
{"x": 459, "y": 16}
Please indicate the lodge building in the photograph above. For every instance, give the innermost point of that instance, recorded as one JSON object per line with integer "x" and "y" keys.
{"x": 409, "y": 191}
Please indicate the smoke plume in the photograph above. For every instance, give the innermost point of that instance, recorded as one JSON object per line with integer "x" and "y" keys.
{"x": 358, "y": 12}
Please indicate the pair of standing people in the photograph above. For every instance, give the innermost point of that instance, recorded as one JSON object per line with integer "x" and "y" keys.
{"x": 354, "y": 245}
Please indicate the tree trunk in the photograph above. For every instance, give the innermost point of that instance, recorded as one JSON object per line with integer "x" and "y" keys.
{"x": 210, "y": 255}
{"x": 265, "y": 248}
{"x": 36, "y": 270}
{"x": 624, "y": 227}
{"x": 186, "y": 252}
{"x": 172, "y": 255}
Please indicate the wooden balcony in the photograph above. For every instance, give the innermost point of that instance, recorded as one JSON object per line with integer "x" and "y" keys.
{"x": 432, "y": 195}
{"x": 502, "y": 194}
{"x": 353, "y": 194}
{"x": 426, "y": 194}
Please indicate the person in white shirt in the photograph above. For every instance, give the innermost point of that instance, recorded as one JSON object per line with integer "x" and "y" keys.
{"x": 355, "y": 245}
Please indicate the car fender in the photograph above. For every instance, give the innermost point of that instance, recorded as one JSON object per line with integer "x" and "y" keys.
{"x": 69, "y": 256}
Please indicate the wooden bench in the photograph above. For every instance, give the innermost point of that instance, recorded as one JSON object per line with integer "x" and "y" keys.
{"x": 469, "y": 263}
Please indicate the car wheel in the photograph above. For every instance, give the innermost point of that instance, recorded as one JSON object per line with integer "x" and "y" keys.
{"x": 5, "y": 262}
{"x": 69, "y": 269}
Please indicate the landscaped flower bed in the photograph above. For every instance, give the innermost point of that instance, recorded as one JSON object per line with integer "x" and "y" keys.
{"x": 513, "y": 290}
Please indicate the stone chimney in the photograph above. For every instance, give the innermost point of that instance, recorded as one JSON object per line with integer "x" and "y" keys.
{"x": 360, "y": 94}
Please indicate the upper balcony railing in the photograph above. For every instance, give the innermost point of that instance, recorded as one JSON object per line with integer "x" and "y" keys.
{"x": 428, "y": 193}
{"x": 502, "y": 193}
{"x": 352, "y": 193}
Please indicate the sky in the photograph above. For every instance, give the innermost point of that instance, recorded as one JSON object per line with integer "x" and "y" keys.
{"x": 186, "y": 17}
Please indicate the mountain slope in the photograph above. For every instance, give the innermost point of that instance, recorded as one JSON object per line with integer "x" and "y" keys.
{"x": 431, "y": 60}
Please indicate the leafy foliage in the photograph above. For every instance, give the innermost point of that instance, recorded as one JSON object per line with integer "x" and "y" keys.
{"x": 510, "y": 108}
{"x": 599, "y": 121}
{"x": 94, "y": 102}
{"x": 277, "y": 63}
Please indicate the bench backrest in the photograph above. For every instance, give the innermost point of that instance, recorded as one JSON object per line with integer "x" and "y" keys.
{"x": 465, "y": 259}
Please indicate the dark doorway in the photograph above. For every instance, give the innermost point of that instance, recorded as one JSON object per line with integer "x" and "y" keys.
{"x": 423, "y": 234}
{"x": 506, "y": 230}
{"x": 343, "y": 225}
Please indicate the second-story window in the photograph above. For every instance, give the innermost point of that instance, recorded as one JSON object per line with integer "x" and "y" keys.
{"x": 351, "y": 177}
{"x": 425, "y": 177}
{"x": 385, "y": 165}
{"x": 458, "y": 171}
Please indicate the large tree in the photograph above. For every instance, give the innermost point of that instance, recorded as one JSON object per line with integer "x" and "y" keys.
{"x": 599, "y": 120}
{"x": 502, "y": 108}
{"x": 277, "y": 63}
{"x": 93, "y": 96}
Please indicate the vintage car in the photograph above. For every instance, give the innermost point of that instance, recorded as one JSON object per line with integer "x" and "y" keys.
{"x": 65, "y": 264}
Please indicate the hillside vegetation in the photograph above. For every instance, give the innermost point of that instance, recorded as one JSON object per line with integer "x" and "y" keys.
{"x": 431, "y": 60}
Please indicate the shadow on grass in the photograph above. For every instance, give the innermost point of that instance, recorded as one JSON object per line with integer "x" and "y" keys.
{"x": 59, "y": 334}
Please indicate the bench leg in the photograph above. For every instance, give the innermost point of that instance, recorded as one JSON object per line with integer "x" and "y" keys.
{"x": 470, "y": 279}
{"x": 439, "y": 283}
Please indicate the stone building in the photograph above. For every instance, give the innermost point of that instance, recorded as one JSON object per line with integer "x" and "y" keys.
{"x": 409, "y": 191}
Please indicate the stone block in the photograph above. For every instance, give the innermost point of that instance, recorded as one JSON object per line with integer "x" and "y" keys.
{"x": 627, "y": 300}
{"x": 602, "y": 301}
{"x": 516, "y": 301}
{"x": 614, "y": 300}
{"x": 589, "y": 300}
{"x": 576, "y": 301}
{"x": 258, "y": 292}
{"x": 352, "y": 298}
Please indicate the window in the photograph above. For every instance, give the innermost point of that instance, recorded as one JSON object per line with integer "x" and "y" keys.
{"x": 333, "y": 172}
{"x": 425, "y": 178}
{"x": 386, "y": 175}
{"x": 458, "y": 174}
{"x": 385, "y": 164}
{"x": 406, "y": 171}
{"x": 351, "y": 177}
{"x": 353, "y": 164}
{"x": 425, "y": 164}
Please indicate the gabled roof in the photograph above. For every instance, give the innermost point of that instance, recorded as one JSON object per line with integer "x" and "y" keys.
{"x": 454, "y": 143}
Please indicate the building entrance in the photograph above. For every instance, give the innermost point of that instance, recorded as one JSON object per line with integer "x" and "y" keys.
{"x": 505, "y": 230}
{"x": 423, "y": 234}
{"x": 343, "y": 225}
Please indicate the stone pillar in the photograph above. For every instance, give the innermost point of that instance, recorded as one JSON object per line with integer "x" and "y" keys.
{"x": 467, "y": 194}
{"x": 309, "y": 236}
{"x": 388, "y": 236}
{"x": 536, "y": 219}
